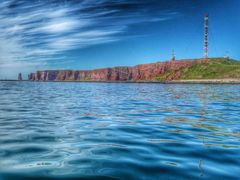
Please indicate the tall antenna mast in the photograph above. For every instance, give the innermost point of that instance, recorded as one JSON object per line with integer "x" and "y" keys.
{"x": 206, "y": 36}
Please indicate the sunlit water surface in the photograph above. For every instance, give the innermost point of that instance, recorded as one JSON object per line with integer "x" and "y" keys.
{"x": 119, "y": 131}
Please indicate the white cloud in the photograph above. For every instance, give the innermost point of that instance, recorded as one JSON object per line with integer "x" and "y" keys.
{"x": 61, "y": 25}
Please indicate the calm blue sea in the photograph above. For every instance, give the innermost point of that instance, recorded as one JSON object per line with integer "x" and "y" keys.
{"x": 119, "y": 131}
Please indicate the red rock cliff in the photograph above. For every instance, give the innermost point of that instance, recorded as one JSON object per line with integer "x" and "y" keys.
{"x": 135, "y": 73}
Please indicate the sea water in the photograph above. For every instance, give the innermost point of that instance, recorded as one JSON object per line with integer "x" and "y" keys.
{"x": 119, "y": 131}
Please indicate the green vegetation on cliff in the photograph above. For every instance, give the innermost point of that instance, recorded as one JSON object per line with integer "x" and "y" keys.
{"x": 214, "y": 68}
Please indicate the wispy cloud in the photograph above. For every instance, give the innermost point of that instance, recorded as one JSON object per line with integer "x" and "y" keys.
{"x": 34, "y": 34}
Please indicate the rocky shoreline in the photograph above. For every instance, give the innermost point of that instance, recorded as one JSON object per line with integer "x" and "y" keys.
{"x": 193, "y": 81}
{"x": 207, "y": 81}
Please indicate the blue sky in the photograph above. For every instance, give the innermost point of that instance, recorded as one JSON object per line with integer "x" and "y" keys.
{"x": 89, "y": 34}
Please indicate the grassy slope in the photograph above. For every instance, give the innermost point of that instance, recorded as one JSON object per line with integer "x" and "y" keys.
{"x": 215, "y": 68}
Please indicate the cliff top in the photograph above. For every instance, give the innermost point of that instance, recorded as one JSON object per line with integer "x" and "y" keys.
{"x": 213, "y": 68}
{"x": 152, "y": 63}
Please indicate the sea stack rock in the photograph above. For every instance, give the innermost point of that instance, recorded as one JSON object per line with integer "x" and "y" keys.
{"x": 20, "y": 76}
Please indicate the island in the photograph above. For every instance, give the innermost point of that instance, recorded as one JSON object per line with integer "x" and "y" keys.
{"x": 186, "y": 70}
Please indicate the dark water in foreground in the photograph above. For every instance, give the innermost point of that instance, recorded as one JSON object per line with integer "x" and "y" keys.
{"x": 125, "y": 131}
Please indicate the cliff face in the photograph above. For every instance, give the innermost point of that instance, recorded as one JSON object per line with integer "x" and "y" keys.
{"x": 135, "y": 73}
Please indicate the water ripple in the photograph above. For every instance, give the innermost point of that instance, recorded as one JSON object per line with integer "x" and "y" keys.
{"x": 119, "y": 131}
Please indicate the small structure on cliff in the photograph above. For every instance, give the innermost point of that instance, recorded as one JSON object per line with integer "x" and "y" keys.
{"x": 173, "y": 56}
{"x": 20, "y": 76}
{"x": 226, "y": 56}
